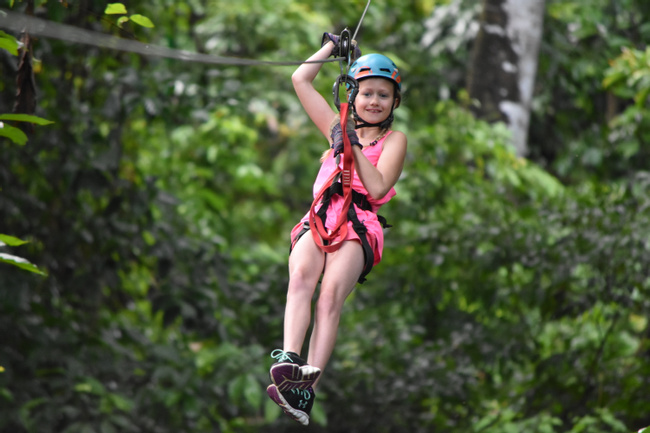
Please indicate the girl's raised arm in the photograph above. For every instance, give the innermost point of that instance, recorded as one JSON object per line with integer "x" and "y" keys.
{"x": 317, "y": 108}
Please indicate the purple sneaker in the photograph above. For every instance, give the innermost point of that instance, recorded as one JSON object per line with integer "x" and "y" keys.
{"x": 290, "y": 371}
{"x": 296, "y": 403}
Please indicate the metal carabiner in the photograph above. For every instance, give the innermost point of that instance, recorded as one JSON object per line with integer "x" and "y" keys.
{"x": 351, "y": 89}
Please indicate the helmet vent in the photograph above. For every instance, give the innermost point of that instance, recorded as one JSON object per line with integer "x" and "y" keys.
{"x": 376, "y": 65}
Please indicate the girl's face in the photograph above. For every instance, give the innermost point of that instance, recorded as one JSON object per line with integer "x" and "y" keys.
{"x": 375, "y": 99}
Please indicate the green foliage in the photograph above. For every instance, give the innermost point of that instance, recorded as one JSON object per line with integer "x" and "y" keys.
{"x": 120, "y": 9}
{"x": 115, "y": 8}
{"x": 510, "y": 297}
{"x": 629, "y": 75}
{"x": 15, "y": 260}
{"x": 25, "y": 118}
{"x": 578, "y": 128}
{"x": 526, "y": 302}
{"x": 16, "y": 135}
{"x": 8, "y": 43}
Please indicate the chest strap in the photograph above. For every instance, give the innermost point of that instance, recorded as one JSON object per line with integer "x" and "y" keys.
{"x": 361, "y": 200}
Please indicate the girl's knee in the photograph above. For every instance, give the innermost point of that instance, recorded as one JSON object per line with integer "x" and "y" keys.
{"x": 303, "y": 275}
{"x": 302, "y": 283}
{"x": 328, "y": 304}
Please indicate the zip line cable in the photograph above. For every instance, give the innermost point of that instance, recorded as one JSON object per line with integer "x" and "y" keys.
{"x": 39, "y": 27}
{"x": 17, "y": 22}
{"x": 363, "y": 15}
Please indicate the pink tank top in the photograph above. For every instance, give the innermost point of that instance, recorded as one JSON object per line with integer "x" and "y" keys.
{"x": 375, "y": 232}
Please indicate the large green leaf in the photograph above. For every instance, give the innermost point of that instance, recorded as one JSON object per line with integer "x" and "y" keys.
{"x": 142, "y": 20}
{"x": 25, "y": 118}
{"x": 115, "y": 8}
{"x": 21, "y": 263}
{"x": 8, "y": 43}
{"x": 11, "y": 241}
{"x": 13, "y": 133}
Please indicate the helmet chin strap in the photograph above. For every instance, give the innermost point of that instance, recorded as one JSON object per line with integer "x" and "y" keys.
{"x": 384, "y": 124}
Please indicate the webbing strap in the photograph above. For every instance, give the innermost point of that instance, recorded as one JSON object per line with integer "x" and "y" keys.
{"x": 323, "y": 237}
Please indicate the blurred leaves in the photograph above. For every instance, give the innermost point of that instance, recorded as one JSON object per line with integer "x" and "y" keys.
{"x": 629, "y": 75}
{"x": 577, "y": 101}
{"x": 513, "y": 293}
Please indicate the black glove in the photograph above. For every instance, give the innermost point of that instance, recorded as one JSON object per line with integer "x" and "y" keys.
{"x": 356, "y": 52}
{"x": 337, "y": 137}
{"x": 330, "y": 37}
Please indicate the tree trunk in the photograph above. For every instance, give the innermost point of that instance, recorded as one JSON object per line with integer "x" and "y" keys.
{"x": 504, "y": 63}
{"x": 25, "y": 102}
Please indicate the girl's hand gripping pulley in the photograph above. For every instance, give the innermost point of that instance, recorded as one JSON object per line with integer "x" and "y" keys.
{"x": 344, "y": 47}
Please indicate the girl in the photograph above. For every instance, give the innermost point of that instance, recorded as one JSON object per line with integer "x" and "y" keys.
{"x": 379, "y": 156}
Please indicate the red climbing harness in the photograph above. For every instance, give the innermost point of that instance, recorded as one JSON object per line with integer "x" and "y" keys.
{"x": 323, "y": 237}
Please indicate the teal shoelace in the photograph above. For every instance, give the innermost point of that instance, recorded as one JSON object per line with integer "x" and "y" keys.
{"x": 280, "y": 355}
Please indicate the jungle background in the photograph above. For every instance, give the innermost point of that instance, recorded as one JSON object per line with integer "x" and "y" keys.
{"x": 513, "y": 294}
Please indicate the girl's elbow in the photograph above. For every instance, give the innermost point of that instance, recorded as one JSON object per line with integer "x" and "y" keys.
{"x": 295, "y": 80}
{"x": 298, "y": 78}
{"x": 378, "y": 194}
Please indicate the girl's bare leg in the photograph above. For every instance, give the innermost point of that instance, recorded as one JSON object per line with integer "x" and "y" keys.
{"x": 342, "y": 270}
{"x": 305, "y": 268}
